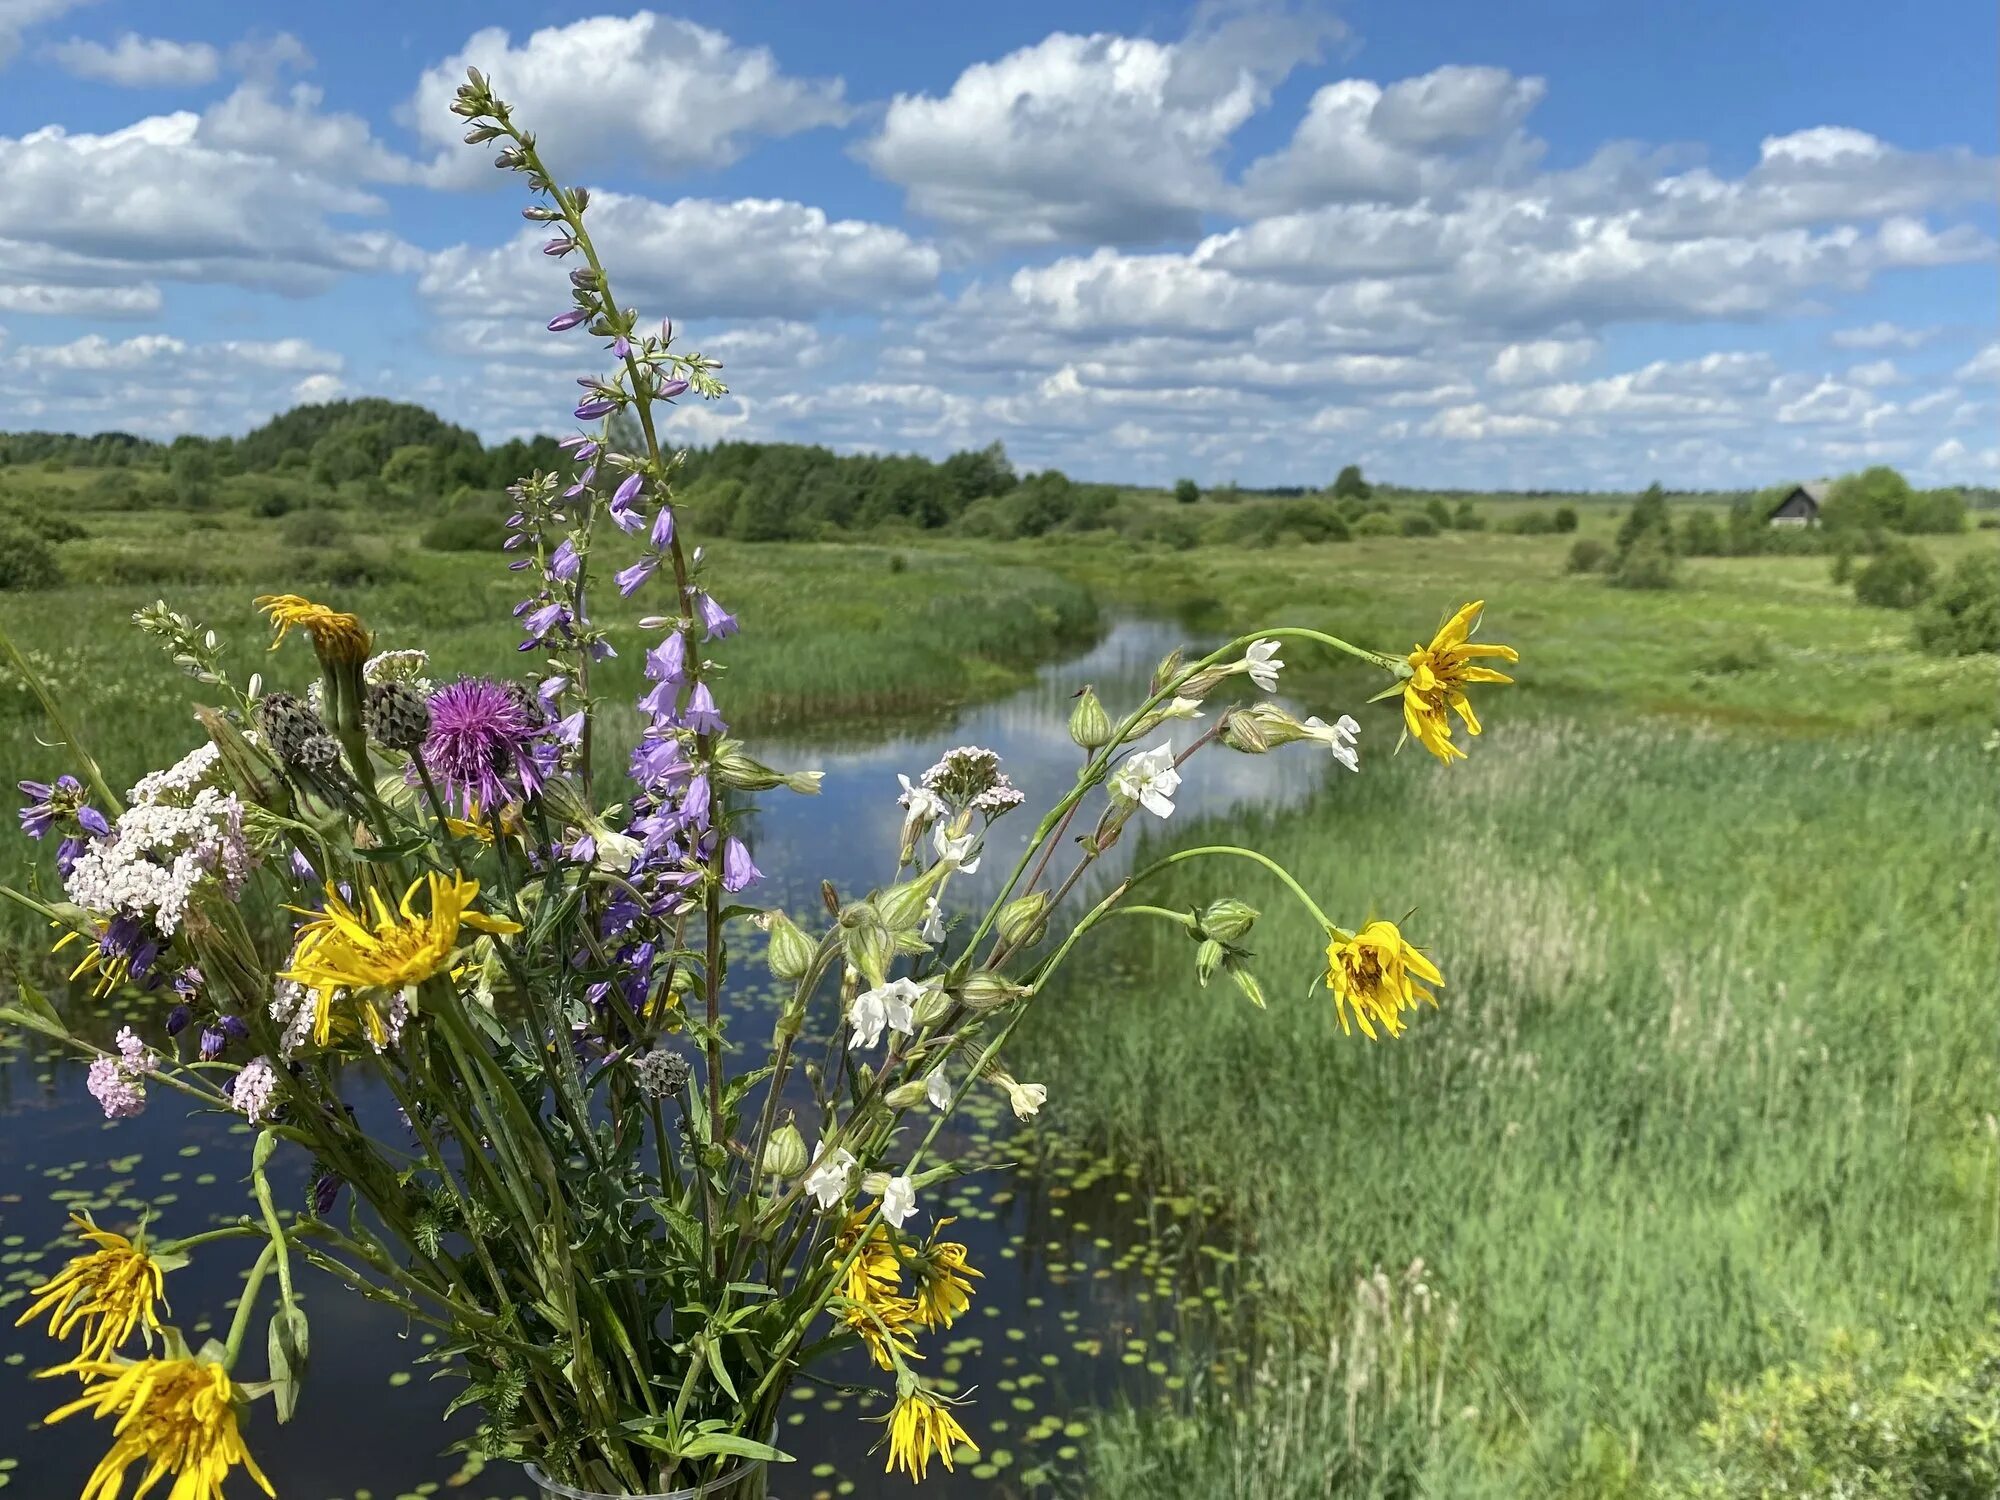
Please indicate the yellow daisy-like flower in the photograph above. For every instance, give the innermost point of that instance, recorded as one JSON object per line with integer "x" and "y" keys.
{"x": 1439, "y": 673}
{"x": 109, "y": 1292}
{"x": 177, "y": 1416}
{"x": 923, "y": 1425}
{"x": 1374, "y": 974}
{"x": 941, "y": 1270}
{"x": 336, "y": 637}
{"x": 871, "y": 1293}
{"x": 337, "y": 949}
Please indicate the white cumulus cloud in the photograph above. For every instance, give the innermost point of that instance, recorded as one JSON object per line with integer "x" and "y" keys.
{"x": 139, "y": 62}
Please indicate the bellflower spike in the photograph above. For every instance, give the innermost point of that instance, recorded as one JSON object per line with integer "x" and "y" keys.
{"x": 738, "y": 870}
{"x": 667, "y": 662}
{"x": 695, "y": 801}
{"x": 715, "y": 620}
{"x": 702, "y": 715}
{"x": 632, "y": 578}
{"x": 628, "y": 490}
{"x": 566, "y": 561}
{"x": 663, "y": 529}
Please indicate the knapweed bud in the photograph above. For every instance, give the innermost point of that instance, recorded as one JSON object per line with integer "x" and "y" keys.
{"x": 1025, "y": 920}
{"x": 1227, "y": 920}
{"x": 1206, "y": 957}
{"x": 1089, "y": 724}
{"x": 661, "y": 1073}
{"x": 396, "y": 716}
{"x": 287, "y": 725}
{"x": 791, "y": 952}
{"x": 785, "y": 1154}
{"x": 985, "y": 990}
{"x": 320, "y": 753}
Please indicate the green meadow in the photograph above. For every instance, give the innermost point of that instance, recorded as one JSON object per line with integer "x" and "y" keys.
{"x": 1694, "y": 1162}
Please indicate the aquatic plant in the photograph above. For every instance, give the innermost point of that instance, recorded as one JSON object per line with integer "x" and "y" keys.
{"x": 631, "y": 1242}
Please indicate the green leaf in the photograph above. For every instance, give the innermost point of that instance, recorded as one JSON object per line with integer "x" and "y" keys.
{"x": 286, "y": 1343}
{"x": 713, "y": 1351}
{"x": 708, "y": 1443}
{"x": 14, "y": 1015}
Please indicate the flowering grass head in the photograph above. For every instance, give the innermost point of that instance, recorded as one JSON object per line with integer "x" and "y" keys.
{"x": 108, "y": 1293}
{"x": 177, "y": 1416}
{"x": 1375, "y": 975}
{"x": 1439, "y": 676}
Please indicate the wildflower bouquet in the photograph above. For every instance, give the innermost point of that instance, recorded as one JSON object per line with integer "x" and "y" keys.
{"x": 631, "y": 1230}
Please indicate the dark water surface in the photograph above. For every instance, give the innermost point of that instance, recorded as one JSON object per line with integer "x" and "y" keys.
{"x": 1094, "y": 1286}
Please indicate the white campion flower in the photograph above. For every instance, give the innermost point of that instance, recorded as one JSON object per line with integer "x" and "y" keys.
{"x": 890, "y": 1005}
{"x": 937, "y": 1089}
{"x": 1261, "y": 662}
{"x": 1182, "y": 708}
{"x": 932, "y": 930}
{"x": 1027, "y": 1098}
{"x": 962, "y": 851}
{"x": 1338, "y": 737}
{"x": 826, "y": 1183}
{"x": 899, "y": 1200}
{"x": 1150, "y": 779}
{"x": 922, "y": 807}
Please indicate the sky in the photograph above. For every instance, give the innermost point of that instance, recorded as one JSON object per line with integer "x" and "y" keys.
{"x": 1546, "y": 244}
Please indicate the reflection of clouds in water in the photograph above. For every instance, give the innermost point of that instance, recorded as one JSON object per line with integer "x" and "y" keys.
{"x": 849, "y": 833}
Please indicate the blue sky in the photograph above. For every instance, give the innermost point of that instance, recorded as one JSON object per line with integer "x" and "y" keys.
{"x": 1533, "y": 244}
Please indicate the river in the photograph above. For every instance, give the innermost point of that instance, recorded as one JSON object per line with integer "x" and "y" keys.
{"x": 1090, "y": 1281}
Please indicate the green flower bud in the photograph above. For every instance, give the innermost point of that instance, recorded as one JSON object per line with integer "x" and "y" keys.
{"x": 1247, "y": 983}
{"x": 785, "y": 1153}
{"x": 1168, "y": 672}
{"x": 247, "y": 772}
{"x": 1227, "y": 920}
{"x": 867, "y": 943}
{"x": 931, "y": 1007}
{"x": 985, "y": 990}
{"x": 791, "y": 952}
{"x": 735, "y": 769}
{"x": 905, "y": 1095}
{"x": 1024, "y": 921}
{"x": 902, "y": 907}
{"x": 1089, "y": 724}
{"x": 1241, "y": 731}
{"x": 1206, "y": 957}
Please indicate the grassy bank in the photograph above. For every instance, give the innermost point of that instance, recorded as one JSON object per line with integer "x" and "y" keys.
{"x": 1710, "y": 1080}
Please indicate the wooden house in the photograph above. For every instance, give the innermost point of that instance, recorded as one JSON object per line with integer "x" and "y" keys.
{"x": 1801, "y": 506}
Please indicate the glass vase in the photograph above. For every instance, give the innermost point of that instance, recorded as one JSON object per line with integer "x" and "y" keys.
{"x": 745, "y": 1482}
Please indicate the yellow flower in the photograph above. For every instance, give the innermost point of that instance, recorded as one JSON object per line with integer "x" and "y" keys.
{"x": 338, "y": 950}
{"x": 478, "y": 824}
{"x": 1371, "y": 973}
{"x": 943, "y": 1292}
{"x": 109, "y": 1291}
{"x": 336, "y": 637}
{"x": 921, "y": 1425}
{"x": 871, "y": 1292}
{"x": 1439, "y": 673}
{"x": 177, "y": 1416}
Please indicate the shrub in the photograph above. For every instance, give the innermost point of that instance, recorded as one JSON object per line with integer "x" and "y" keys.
{"x": 26, "y": 561}
{"x": 1899, "y": 577}
{"x": 1465, "y": 518}
{"x": 1419, "y": 525}
{"x": 1350, "y": 483}
{"x": 314, "y": 528}
{"x": 1859, "y": 1426}
{"x": 39, "y": 520}
{"x": 1646, "y": 564}
{"x": 1439, "y": 512}
{"x": 1377, "y": 523}
{"x": 1169, "y": 530}
{"x": 466, "y": 531}
{"x": 1701, "y": 535}
{"x": 1186, "y": 491}
{"x": 1532, "y": 523}
{"x": 1565, "y": 518}
{"x": 1588, "y": 555}
{"x": 1963, "y": 616}
{"x": 1312, "y": 521}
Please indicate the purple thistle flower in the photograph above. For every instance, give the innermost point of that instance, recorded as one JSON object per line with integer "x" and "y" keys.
{"x": 630, "y": 579}
{"x": 485, "y": 743}
{"x": 566, "y": 561}
{"x": 715, "y": 620}
{"x": 738, "y": 869}
{"x": 594, "y": 408}
{"x": 563, "y": 322}
{"x": 663, "y": 529}
{"x": 702, "y": 714}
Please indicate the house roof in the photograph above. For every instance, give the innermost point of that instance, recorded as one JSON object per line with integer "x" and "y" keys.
{"x": 1816, "y": 490}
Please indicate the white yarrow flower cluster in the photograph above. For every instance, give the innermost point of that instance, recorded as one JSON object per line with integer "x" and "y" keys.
{"x": 252, "y": 1094}
{"x": 159, "y": 854}
{"x": 180, "y": 780}
{"x": 292, "y": 1008}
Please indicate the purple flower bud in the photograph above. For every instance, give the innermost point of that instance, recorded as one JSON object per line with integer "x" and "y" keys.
{"x": 671, "y": 389}
{"x": 325, "y": 1189}
{"x": 667, "y": 662}
{"x": 68, "y": 852}
{"x": 562, "y": 244}
{"x": 212, "y": 1043}
{"x": 93, "y": 821}
{"x": 302, "y": 868}
{"x": 630, "y": 579}
{"x": 583, "y": 849}
{"x": 702, "y": 715}
{"x": 234, "y": 1028}
{"x": 621, "y": 347}
{"x": 715, "y": 620}
{"x": 566, "y": 561}
{"x": 563, "y": 322}
{"x": 738, "y": 869}
{"x": 178, "y": 1018}
{"x": 596, "y": 407}
{"x": 628, "y": 489}
{"x": 663, "y": 529}
{"x": 695, "y": 800}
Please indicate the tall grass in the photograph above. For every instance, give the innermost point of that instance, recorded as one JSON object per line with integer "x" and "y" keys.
{"x": 1711, "y": 1076}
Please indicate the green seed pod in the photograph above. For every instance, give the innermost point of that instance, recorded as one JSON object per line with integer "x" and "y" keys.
{"x": 867, "y": 943}
{"x": 790, "y": 954}
{"x": 1241, "y": 731}
{"x": 1024, "y": 921}
{"x": 1227, "y": 920}
{"x": 785, "y": 1153}
{"x": 733, "y": 768}
{"x": 1089, "y": 724}
{"x": 906, "y": 1095}
{"x": 1206, "y": 957}
{"x": 985, "y": 990}
{"x": 931, "y": 1007}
